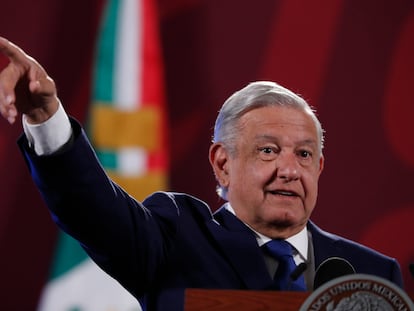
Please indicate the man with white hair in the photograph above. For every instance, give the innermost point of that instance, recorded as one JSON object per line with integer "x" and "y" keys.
{"x": 266, "y": 156}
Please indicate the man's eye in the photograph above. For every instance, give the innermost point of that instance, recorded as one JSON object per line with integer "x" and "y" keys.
{"x": 268, "y": 153}
{"x": 305, "y": 154}
{"x": 266, "y": 150}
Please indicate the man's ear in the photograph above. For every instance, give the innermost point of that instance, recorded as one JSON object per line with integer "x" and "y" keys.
{"x": 321, "y": 164}
{"x": 218, "y": 156}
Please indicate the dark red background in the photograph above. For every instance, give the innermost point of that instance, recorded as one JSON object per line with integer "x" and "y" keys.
{"x": 351, "y": 59}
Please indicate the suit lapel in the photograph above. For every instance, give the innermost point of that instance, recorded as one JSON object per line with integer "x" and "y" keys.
{"x": 239, "y": 245}
{"x": 324, "y": 244}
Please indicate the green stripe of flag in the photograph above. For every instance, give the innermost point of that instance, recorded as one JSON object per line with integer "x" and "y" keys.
{"x": 105, "y": 55}
{"x": 108, "y": 159}
{"x": 68, "y": 254}
{"x": 104, "y": 68}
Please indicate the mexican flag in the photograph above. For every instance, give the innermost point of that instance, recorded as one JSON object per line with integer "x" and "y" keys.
{"x": 127, "y": 128}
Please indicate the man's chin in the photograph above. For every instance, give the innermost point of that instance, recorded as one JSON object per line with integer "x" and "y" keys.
{"x": 281, "y": 229}
{"x": 287, "y": 221}
{"x": 282, "y": 223}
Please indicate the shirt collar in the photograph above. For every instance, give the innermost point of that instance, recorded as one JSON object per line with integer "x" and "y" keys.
{"x": 299, "y": 241}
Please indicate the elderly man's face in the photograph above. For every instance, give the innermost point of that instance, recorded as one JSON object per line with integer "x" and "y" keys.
{"x": 272, "y": 179}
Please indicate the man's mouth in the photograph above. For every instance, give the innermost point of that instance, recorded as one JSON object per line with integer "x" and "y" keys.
{"x": 284, "y": 193}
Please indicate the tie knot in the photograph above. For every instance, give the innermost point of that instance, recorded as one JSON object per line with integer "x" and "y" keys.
{"x": 278, "y": 248}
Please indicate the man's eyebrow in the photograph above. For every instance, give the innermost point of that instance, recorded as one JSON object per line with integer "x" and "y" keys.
{"x": 307, "y": 141}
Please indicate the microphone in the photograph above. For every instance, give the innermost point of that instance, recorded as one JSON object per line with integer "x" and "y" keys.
{"x": 330, "y": 269}
{"x": 296, "y": 274}
{"x": 298, "y": 271}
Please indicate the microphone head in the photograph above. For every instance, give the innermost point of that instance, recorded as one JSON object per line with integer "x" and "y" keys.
{"x": 330, "y": 269}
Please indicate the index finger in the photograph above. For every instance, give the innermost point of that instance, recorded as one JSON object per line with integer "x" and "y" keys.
{"x": 12, "y": 51}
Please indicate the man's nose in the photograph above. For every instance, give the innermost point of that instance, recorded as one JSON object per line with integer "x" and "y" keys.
{"x": 287, "y": 167}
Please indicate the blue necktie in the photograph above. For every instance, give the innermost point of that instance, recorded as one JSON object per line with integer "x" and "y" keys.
{"x": 282, "y": 252}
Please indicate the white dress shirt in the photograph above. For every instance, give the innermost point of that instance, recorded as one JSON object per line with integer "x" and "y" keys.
{"x": 48, "y": 137}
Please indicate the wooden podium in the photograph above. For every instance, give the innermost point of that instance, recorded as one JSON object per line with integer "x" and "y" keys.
{"x": 242, "y": 300}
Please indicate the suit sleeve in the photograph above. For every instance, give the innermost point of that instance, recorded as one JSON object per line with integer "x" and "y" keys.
{"x": 396, "y": 275}
{"x": 119, "y": 233}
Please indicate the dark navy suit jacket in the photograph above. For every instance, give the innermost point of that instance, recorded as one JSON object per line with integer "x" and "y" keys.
{"x": 171, "y": 241}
